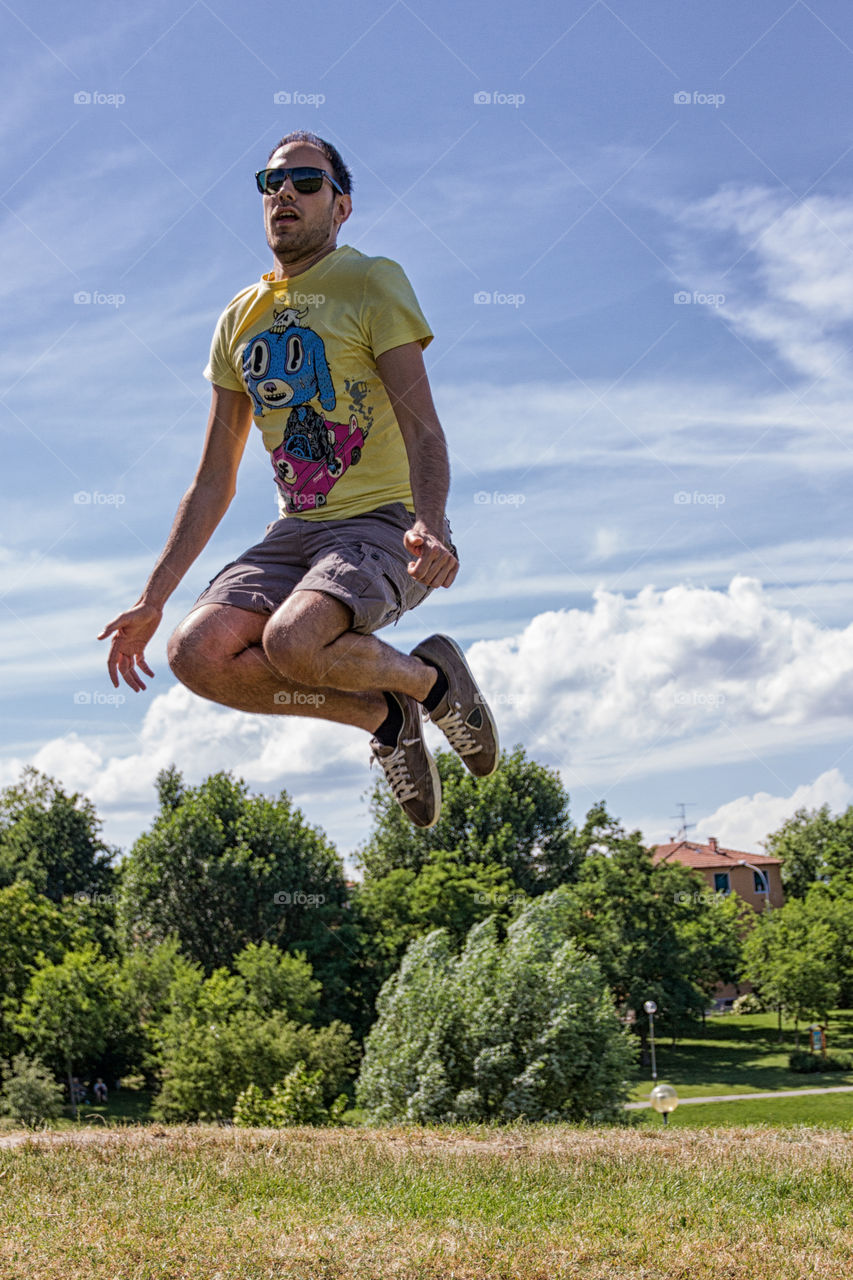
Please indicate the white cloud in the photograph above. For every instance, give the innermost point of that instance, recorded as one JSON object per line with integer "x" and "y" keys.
{"x": 668, "y": 675}
{"x": 646, "y": 684}
{"x": 323, "y": 764}
{"x": 785, "y": 268}
{"x": 746, "y": 823}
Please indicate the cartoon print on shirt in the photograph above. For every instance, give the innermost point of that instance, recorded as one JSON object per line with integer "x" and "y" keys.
{"x": 357, "y": 392}
{"x": 286, "y": 366}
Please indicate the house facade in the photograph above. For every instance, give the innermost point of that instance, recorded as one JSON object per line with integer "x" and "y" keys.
{"x": 754, "y": 877}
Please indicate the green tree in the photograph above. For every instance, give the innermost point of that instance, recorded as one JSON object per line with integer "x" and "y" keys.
{"x": 814, "y": 847}
{"x": 517, "y": 819}
{"x": 74, "y": 1012}
{"x": 789, "y": 959}
{"x": 33, "y": 931}
{"x": 277, "y": 982}
{"x": 833, "y": 905}
{"x": 52, "y": 841}
{"x": 522, "y": 1027}
{"x": 221, "y": 868}
{"x": 653, "y": 927}
{"x": 216, "y": 1040}
{"x": 445, "y": 892}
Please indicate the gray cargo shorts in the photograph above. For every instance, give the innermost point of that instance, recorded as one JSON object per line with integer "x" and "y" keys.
{"x": 360, "y": 561}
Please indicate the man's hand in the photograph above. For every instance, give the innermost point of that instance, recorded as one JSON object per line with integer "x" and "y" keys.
{"x": 131, "y": 632}
{"x": 435, "y": 564}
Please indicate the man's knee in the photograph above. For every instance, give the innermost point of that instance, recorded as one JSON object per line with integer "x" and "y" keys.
{"x": 188, "y": 652}
{"x": 286, "y": 647}
{"x": 204, "y": 642}
{"x": 296, "y": 639}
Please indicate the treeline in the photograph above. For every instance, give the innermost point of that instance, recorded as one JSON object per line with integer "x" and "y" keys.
{"x": 490, "y": 967}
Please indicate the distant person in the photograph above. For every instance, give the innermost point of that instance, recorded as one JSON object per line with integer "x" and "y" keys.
{"x": 100, "y": 1090}
{"x": 325, "y": 356}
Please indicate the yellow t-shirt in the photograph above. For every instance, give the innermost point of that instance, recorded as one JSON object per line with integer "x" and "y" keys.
{"x": 305, "y": 350}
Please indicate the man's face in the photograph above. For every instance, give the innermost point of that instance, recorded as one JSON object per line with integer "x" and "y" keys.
{"x": 298, "y": 225}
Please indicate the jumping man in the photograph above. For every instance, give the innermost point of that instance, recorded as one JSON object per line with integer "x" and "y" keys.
{"x": 325, "y": 356}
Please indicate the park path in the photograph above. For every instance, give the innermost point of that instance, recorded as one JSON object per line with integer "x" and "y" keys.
{"x": 736, "y": 1097}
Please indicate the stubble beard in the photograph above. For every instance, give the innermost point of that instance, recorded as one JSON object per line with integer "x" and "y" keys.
{"x": 307, "y": 240}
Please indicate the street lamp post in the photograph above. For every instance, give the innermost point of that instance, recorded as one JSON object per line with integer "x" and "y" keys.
{"x": 765, "y": 880}
{"x": 651, "y": 1009}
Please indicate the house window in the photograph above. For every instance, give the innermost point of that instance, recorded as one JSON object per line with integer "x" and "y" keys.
{"x": 759, "y": 883}
{"x": 721, "y": 882}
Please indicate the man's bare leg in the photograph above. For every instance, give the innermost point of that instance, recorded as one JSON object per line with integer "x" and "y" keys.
{"x": 217, "y": 652}
{"x": 308, "y": 639}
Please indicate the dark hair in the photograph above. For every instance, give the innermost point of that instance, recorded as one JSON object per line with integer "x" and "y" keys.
{"x": 340, "y": 172}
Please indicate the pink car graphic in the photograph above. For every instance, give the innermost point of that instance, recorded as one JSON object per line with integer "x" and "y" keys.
{"x": 305, "y": 480}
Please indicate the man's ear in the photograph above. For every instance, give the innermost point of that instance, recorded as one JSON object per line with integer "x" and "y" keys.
{"x": 343, "y": 210}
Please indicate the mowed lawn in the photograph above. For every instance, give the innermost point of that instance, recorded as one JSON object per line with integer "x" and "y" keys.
{"x": 742, "y": 1054}
{"x": 517, "y": 1204}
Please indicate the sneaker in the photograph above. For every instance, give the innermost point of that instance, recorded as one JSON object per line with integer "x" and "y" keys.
{"x": 463, "y": 714}
{"x": 410, "y": 769}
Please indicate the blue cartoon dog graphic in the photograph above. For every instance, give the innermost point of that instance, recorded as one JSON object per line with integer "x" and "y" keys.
{"x": 286, "y": 366}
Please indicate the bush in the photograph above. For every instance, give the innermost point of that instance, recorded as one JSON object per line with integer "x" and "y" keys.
{"x": 748, "y": 1004}
{"x": 297, "y": 1100}
{"x": 30, "y": 1095}
{"x": 807, "y": 1063}
{"x": 521, "y": 1028}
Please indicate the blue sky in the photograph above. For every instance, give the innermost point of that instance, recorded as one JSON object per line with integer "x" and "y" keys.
{"x": 648, "y": 418}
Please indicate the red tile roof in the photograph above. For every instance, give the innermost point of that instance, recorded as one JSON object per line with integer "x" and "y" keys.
{"x": 691, "y": 854}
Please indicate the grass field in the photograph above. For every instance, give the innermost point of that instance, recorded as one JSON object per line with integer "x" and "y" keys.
{"x": 831, "y": 1111}
{"x": 520, "y": 1204}
{"x": 742, "y": 1054}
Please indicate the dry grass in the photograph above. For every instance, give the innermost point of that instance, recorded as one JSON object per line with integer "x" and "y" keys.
{"x": 525, "y": 1204}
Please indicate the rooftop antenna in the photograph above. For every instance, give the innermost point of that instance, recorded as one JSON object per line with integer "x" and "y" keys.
{"x": 684, "y": 825}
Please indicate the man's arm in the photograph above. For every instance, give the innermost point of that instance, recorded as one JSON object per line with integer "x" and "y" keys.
{"x": 404, "y": 375}
{"x": 202, "y": 507}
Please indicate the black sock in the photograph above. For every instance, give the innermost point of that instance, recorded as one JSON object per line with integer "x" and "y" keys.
{"x": 389, "y": 730}
{"x": 438, "y": 690}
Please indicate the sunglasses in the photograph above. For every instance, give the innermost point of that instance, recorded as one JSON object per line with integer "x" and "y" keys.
{"x": 306, "y": 181}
